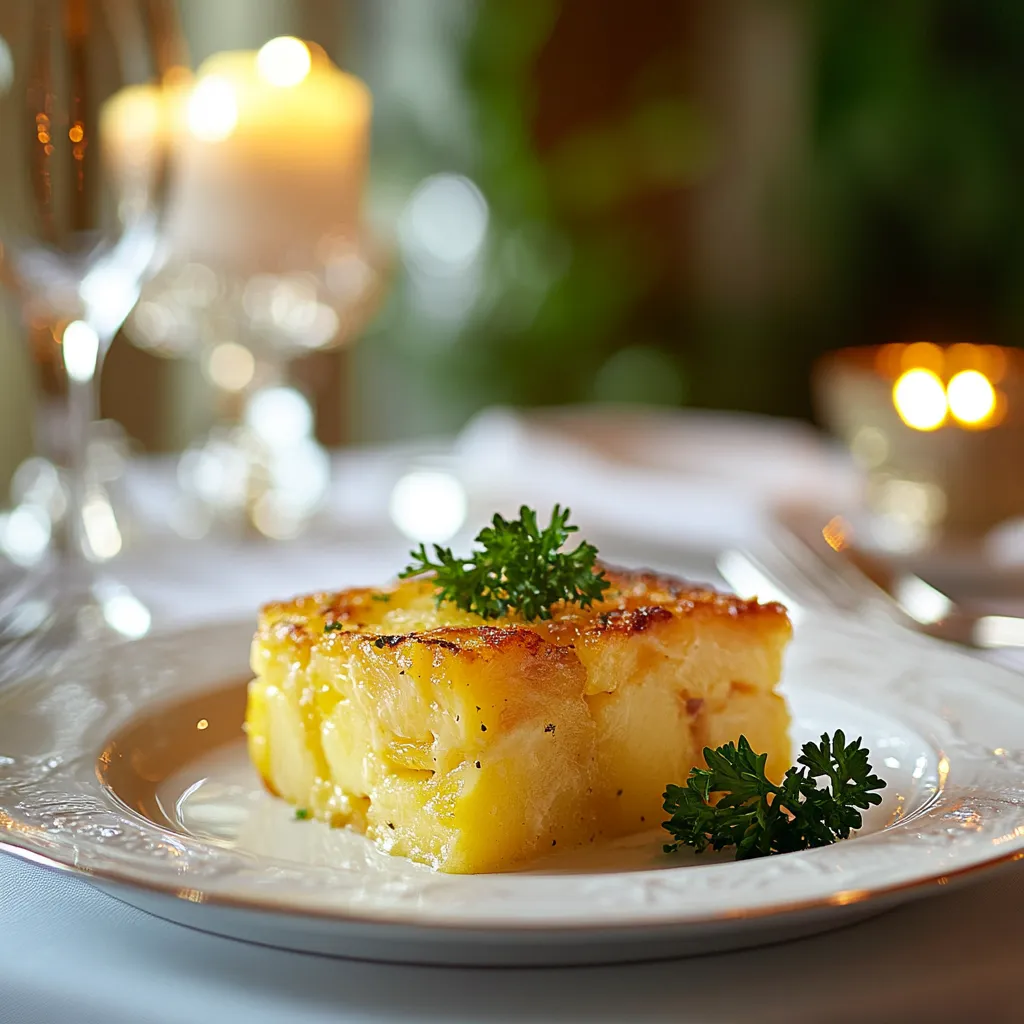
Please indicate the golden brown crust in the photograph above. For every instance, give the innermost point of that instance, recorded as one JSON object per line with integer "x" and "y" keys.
{"x": 472, "y": 744}
{"x": 455, "y": 639}
{"x": 639, "y": 601}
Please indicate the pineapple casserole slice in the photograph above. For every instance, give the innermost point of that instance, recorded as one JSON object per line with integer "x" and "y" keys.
{"x": 474, "y": 744}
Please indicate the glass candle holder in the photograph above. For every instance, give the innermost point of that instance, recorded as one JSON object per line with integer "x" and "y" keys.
{"x": 264, "y": 259}
{"x": 939, "y": 432}
{"x": 260, "y": 466}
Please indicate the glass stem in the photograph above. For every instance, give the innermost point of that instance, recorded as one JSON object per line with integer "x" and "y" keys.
{"x": 82, "y": 408}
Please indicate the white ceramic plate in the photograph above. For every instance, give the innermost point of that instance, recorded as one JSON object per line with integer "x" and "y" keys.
{"x": 128, "y": 767}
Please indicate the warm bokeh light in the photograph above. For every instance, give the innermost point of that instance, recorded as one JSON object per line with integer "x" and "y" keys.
{"x": 920, "y": 399}
{"x": 923, "y": 355}
{"x": 963, "y": 356}
{"x": 994, "y": 363}
{"x": 213, "y": 109}
{"x": 972, "y": 399}
{"x": 231, "y": 366}
{"x": 284, "y": 61}
{"x": 836, "y": 531}
{"x": 889, "y": 360}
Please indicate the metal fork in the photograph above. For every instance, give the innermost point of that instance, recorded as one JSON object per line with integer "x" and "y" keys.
{"x": 797, "y": 567}
{"x": 805, "y": 571}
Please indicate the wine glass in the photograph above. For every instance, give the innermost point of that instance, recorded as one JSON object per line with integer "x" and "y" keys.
{"x": 82, "y": 178}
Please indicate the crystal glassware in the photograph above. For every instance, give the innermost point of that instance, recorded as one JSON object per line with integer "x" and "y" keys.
{"x": 82, "y": 179}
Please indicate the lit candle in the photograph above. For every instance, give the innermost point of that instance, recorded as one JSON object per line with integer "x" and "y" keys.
{"x": 136, "y": 127}
{"x": 271, "y": 159}
{"x": 131, "y": 123}
{"x": 938, "y": 430}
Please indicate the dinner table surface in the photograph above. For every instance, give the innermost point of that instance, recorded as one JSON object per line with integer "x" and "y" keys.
{"x": 71, "y": 953}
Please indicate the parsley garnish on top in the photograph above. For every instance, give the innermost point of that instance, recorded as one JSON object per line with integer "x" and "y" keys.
{"x": 519, "y": 567}
{"x": 758, "y": 817}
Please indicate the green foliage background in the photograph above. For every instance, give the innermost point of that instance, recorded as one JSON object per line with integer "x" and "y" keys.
{"x": 903, "y": 211}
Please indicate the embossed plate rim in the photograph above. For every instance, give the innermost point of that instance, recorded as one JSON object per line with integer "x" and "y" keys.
{"x": 77, "y": 826}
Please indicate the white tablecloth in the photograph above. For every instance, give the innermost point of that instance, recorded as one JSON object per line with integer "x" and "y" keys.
{"x": 71, "y": 954}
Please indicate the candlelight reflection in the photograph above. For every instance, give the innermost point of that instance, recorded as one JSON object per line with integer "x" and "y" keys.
{"x": 835, "y": 533}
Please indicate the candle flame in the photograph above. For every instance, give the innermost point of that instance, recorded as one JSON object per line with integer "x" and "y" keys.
{"x": 923, "y": 401}
{"x": 213, "y": 109}
{"x": 972, "y": 399}
{"x": 284, "y": 62}
{"x": 920, "y": 399}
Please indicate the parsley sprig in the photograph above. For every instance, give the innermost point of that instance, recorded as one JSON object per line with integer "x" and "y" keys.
{"x": 758, "y": 817}
{"x": 518, "y": 567}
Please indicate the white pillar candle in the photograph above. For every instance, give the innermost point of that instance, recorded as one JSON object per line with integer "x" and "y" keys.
{"x": 271, "y": 159}
{"x": 137, "y": 126}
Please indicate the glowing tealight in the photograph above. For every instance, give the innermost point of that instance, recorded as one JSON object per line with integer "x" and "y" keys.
{"x": 284, "y": 61}
{"x": 972, "y": 399}
{"x": 213, "y": 109}
{"x": 920, "y": 399}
